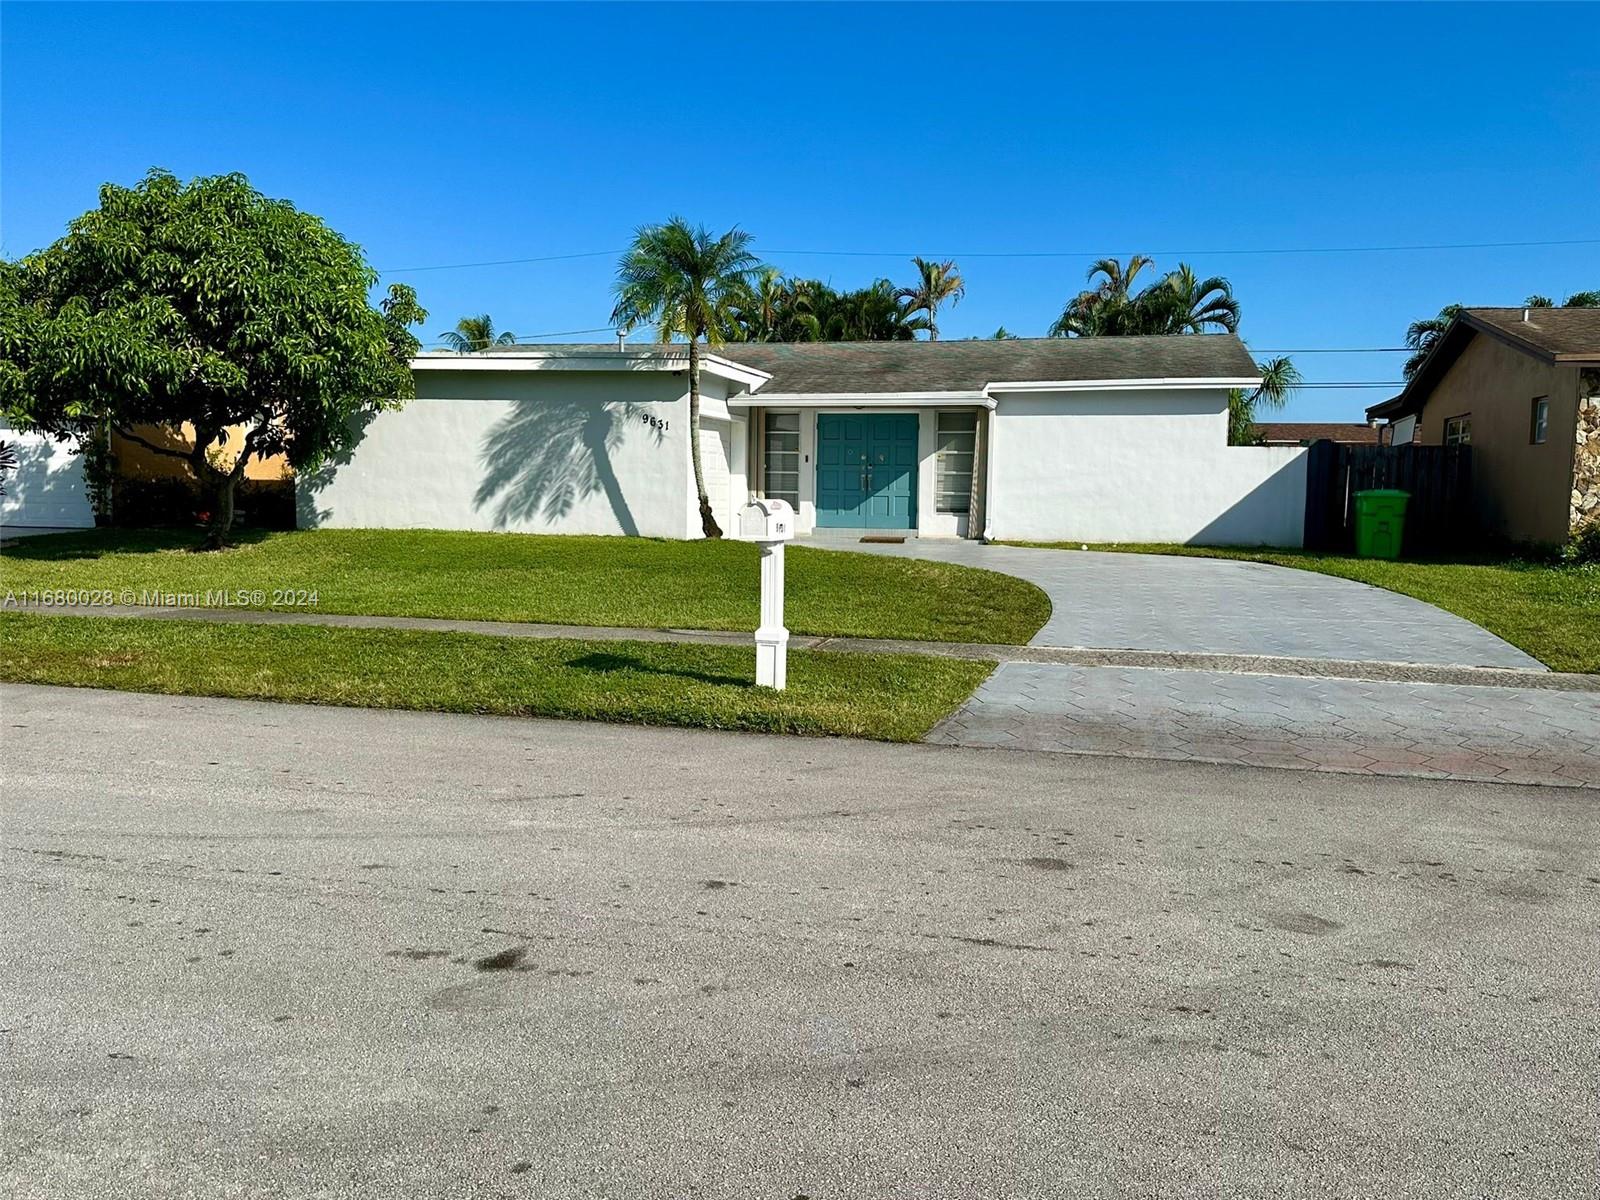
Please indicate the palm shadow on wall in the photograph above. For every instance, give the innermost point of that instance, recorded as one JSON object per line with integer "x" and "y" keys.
{"x": 546, "y": 456}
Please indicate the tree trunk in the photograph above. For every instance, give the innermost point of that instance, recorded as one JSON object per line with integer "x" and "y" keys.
{"x": 708, "y": 523}
{"x": 222, "y": 490}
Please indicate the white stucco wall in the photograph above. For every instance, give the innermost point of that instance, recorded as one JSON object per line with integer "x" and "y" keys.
{"x": 527, "y": 451}
{"x": 1138, "y": 466}
{"x": 47, "y": 490}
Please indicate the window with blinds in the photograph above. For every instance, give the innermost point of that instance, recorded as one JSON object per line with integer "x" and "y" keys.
{"x": 780, "y": 464}
{"x": 952, "y": 461}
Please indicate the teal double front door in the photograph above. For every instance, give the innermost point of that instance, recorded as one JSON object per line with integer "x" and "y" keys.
{"x": 866, "y": 471}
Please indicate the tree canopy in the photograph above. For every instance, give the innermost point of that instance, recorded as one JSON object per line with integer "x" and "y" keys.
{"x": 1178, "y": 302}
{"x": 779, "y": 309}
{"x": 208, "y": 305}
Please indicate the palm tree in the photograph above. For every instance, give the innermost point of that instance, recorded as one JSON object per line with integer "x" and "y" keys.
{"x": 936, "y": 283}
{"x": 1190, "y": 305}
{"x": 760, "y": 314}
{"x": 1280, "y": 378}
{"x": 687, "y": 283}
{"x": 875, "y": 313}
{"x": 476, "y": 333}
{"x": 1422, "y": 336}
{"x": 1003, "y": 335}
{"x": 1178, "y": 302}
{"x": 1103, "y": 307}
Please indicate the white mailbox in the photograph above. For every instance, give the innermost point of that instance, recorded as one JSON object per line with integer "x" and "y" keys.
{"x": 766, "y": 521}
{"x": 770, "y": 523}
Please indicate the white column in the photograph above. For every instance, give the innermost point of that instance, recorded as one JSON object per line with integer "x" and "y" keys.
{"x": 772, "y": 639}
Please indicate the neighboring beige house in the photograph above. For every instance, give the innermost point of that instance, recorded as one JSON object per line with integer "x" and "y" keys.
{"x": 1521, "y": 386}
{"x": 139, "y": 462}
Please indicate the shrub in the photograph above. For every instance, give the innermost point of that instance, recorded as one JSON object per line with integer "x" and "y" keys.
{"x": 1584, "y": 546}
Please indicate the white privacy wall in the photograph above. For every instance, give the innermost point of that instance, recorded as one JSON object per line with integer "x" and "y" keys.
{"x": 530, "y": 451}
{"x": 47, "y": 490}
{"x": 1138, "y": 466}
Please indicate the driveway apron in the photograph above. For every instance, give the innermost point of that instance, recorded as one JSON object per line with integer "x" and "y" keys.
{"x": 1217, "y": 606}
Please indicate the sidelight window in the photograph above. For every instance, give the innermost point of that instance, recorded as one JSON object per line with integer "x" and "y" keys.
{"x": 953, "y": 459}
{"x": 780, "y": 464}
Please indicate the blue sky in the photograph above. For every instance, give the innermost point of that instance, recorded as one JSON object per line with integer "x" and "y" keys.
{"x": 438, "y": 135}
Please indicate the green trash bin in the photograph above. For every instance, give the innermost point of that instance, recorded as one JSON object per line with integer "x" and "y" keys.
{"x": 1380, "y": 520}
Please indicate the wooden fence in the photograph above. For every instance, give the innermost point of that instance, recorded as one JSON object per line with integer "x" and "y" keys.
{"x": 1439, "y": 517}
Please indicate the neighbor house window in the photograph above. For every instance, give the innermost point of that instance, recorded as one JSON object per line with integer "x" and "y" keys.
{"x": 952, "y": 461}
{"x": 1458, "y": 430}
{"x": 1539, "y": 424}
{"x": 780, "y": 463}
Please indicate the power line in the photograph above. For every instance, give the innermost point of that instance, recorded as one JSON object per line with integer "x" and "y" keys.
{"x": 1394, "y": 249}
{"x": 1205, "y": 253}
{"x": 503, "y": 262}
{"x": 1345, "y": 350}
{"x": 529, "y": 336}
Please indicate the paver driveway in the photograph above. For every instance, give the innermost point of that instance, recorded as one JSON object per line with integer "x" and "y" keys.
{"x": 1285, "y": 716}
{"x": 1218, "y": 606}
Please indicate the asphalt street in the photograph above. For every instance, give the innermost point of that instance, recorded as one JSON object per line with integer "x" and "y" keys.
{"x": 264, "y": 950}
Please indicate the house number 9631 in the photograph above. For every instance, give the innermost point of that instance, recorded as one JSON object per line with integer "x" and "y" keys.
{"x": 655, "y": 422}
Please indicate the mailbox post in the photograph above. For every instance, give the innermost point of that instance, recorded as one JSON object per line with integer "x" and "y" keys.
{"x": 770, "y": 523}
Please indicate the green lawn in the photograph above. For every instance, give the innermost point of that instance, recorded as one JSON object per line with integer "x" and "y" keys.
{"x": 1550, "y": 610}
{"x": 890, "y": 697}
{"x": 565, "y": 580}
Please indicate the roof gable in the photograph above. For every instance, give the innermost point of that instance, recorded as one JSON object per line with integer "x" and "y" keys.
{"x": 1552, "y": 335}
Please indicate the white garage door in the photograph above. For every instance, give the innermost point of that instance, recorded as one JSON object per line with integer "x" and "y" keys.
{"x": 46, "y": 491}
{"x": 714, "y": 438}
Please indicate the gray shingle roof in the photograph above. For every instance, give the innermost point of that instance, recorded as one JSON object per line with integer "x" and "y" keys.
{"x": 817, "y": 368}
{"x": 1567, "y": 333}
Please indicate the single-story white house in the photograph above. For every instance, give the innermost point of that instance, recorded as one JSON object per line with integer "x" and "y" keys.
{"x": 1082, "y": 439}
{"x": 46, "y": 493}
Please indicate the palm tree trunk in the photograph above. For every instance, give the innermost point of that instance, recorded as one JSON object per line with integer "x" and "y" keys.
{"x": 708, "y": 523}
{"x": 933, "y": 321}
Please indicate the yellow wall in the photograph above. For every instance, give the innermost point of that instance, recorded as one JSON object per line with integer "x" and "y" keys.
{"x": 1522, "y": 491}
{"x": 136, "y": 462}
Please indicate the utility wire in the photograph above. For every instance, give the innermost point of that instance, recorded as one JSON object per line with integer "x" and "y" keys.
{"x": 530, "y": 336}
{"x": 503, "y": 262}
{"x": 1396, "y": 249}
{"x": 1205, "y": 253}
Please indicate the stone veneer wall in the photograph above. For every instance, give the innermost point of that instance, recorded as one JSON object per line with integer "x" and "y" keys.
{"x": 1586, "y": 453}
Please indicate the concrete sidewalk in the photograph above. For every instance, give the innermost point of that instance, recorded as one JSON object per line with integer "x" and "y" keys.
{"x": 1376, "y": 718}
{"x": 1244, "y": 663}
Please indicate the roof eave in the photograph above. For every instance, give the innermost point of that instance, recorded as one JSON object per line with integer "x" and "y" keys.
{"x": 1175, "y": 383}
{"x": 593, "y": 360}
